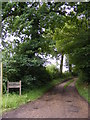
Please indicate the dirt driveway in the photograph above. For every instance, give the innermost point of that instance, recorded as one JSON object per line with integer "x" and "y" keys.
{"x": 57, "y": 103}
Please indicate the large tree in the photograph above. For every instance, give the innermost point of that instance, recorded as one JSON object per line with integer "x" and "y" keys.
{"x": 73, "y": 40}
{"x": 28, "y": 22}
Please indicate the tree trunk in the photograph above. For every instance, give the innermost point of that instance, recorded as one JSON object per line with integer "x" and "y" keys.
{"x": 70, "y": 67}
{"x": 61, "y": 65}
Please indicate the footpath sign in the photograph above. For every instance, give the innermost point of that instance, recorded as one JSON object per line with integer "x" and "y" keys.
{"x": 14, "y": 85}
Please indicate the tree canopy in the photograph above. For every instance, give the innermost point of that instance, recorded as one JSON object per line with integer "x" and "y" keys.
{"x": 44, "y": 28}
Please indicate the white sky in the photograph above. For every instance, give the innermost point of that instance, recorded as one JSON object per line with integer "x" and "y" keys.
{"x": 53, "y": 61}
{"x": 57, "y": 63}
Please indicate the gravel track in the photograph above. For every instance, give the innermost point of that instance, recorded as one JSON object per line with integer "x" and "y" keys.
{"x": 57, "y": 103}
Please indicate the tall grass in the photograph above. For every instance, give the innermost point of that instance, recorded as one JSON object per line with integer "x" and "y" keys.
{"x": 68, "y": 83}
{"x": 83, "y": 89}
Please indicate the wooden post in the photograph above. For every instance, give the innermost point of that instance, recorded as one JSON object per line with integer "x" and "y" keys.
{"x": 20, "y": 87}
{"x": 7, "y": 86}
{"x": 1, "y": 78}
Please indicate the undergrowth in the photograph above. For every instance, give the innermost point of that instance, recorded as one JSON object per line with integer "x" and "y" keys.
{"x": 83, "y": 89}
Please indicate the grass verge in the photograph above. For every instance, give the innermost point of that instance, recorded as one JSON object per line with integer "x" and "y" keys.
{"x": 12, "y": 101}
{"x": 68, "y": 83}
{"x": 83, "y": 89}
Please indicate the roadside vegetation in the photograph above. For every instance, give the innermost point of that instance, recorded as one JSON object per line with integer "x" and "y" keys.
{"x": 13, "y": 100}
{"x": 68, "y": 83}
{"x": 83, "y": 89}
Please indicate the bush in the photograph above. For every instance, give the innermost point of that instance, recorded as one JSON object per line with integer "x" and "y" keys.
{"x": 28, "y": 81}
{"x": 66, "y": 75}
{"x": 53, "y": 71}
{"x": 40, "y": 73}
{"x": 75, "y": 71}
{"x": 29, "y": 70}
{"x": 84, "y": 77}
{"x": 35, "y": 77}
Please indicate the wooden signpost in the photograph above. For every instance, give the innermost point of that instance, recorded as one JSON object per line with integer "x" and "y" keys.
{"x": 14, "y": 85}
{"x": 1, "y": 79}
{"x": 1, "y": 91}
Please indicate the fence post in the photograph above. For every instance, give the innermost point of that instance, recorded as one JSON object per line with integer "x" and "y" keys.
{"x": 1, "y": 78}
{"x": 20, "y": 87}
{"x": 7, "y": 86}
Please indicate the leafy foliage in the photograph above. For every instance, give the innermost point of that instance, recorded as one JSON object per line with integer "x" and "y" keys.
{"x": 43, "y": 28}
{"x": 53, "y": 71}
{"x": 73, "y": 41}
{"x": 83, "y": 89}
